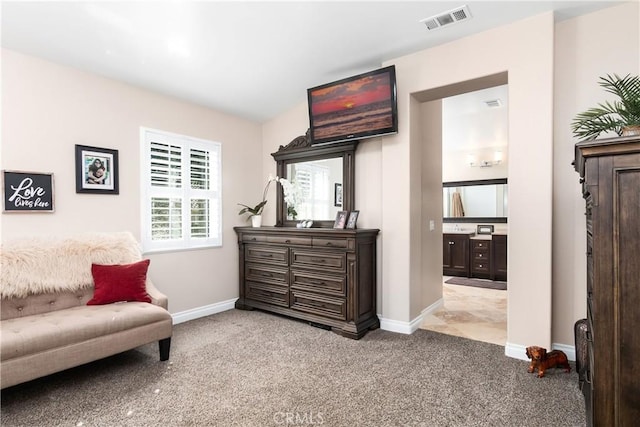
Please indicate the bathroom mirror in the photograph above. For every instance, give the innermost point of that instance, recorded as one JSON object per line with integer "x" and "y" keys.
{"x": 322, "y": 179}
{"x": 475, "y": 201}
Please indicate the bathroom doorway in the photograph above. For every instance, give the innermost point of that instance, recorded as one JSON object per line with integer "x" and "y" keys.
{"x": 474, "y": 150}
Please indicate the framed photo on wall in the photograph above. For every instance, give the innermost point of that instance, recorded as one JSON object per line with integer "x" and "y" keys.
{"x": 27, "y": 191}
{"x": 337, "y": 195}
{"x": 96, "y": 170}
{"x": 353, "y": 218}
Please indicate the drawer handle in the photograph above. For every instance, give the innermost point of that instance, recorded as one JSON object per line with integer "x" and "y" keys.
{"x": 317, "y": 282}
{"x": 451, "y": 243}
{"x": 264, "y": 274}
{"x": 287, "y": 241}
{"x": 328, "y": 244}
{"x": 320, "y": 260}
{"x": 266, "y": 255}
{"x": 479, "y": 255}
{"x": 480, "y": 266}
{"x": 253, "y": 239}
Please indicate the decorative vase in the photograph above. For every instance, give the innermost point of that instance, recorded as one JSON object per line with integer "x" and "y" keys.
{"x": 256, "y": 221}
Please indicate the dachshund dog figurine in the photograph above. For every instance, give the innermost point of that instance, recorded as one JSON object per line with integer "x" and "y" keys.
{"x": 542, "y": 360}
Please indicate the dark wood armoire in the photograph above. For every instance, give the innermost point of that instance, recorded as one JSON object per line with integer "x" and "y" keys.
{"x": 610, "y": 171}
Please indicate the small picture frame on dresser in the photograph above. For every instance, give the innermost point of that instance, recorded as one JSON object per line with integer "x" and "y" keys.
{"x": 341, "y": 219}
{"x": 484, "y": 229}
{"x": 353, "y": 218}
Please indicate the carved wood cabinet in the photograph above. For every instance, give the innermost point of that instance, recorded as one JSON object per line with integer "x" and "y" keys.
{"x": 324, "y": 276}
{"x": 610, "y": 171}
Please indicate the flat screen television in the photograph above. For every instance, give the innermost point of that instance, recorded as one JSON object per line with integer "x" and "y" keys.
{"x": 362, "y": 106}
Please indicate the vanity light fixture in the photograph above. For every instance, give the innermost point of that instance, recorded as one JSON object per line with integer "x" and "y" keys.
{"x": 473, "y": 161}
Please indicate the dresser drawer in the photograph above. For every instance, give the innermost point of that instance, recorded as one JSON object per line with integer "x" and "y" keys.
{"x": 481, "y": 255}
{"x": 321, "y": 305}
{"x": 323, "y": 283}
{"x": 248, "y": 238}
{"x": 278, "y": 295}
{"x": 267, "y": 273}
{"x": 267, "y": 254}
{"x": 480, "y": 244}
{"x": 289, "y": 240}
{"x": 331, "y": 261}
{"x": 331, "y": 243}
{"x": 480, "y": 266}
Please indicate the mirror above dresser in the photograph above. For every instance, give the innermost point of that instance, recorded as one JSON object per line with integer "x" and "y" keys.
{"x": 322, "y": 177}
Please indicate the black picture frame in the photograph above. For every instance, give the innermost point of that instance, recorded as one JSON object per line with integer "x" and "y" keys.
{"x": 353, "y": 219}
{"x": 27, "y": 192}
{"x": 97, "y": 170}
{"x": 341, "y": 219}
{"x": 337, "y": 195}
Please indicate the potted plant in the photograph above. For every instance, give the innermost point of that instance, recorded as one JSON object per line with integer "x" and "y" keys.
{"x": 255, "y": 212}
{"x": 621, "y": 116}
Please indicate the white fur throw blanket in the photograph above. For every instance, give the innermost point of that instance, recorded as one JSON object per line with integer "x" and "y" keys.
{"x": 45, "y": 265}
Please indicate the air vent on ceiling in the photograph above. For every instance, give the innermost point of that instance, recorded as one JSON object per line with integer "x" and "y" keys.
{"x": 446, "y": 18}
{"x": 493, "y": 103}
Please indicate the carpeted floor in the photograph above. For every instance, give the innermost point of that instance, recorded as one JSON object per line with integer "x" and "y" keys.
{"x": 241, "y": 368}
{"x": 478, "y": 283}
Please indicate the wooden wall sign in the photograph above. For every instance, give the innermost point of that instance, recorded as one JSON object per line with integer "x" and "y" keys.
{"x": 27, "y": 191}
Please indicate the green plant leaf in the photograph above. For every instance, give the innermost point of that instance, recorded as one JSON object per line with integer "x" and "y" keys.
{"x": 611, "y": 115}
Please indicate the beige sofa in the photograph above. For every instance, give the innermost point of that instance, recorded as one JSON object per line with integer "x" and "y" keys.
{"x": 46, "y": 324}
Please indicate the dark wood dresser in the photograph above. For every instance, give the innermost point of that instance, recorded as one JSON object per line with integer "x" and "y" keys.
{"x": 320, "y": 275}
{"x": 610, "y": 171}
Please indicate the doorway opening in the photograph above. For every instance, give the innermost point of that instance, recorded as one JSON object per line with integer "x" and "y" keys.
{"x": 474, "y": 140}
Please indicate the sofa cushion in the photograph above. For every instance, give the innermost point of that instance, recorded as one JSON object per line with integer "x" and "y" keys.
{"x": 116, "y": 283}
{"x": 32, "y": 334}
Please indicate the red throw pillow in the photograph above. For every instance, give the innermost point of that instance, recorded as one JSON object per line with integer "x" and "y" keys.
{"x": 116, "y": 283}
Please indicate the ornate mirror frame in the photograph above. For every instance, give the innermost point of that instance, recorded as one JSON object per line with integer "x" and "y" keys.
{"x": 301, "y": 150}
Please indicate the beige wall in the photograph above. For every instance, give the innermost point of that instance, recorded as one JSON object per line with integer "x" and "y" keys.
{"x": 280, "y": 131}
{"x": 586, "y": 48}
{"x": 431, "y": 127}
{"x": 48, "y": 108}
{"x": 525, "y": 51}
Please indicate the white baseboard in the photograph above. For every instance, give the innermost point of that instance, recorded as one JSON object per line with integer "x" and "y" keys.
{"x": 569, "y": 350}
{"x": 207, "y": 310}
{"x": 408, "y": 328}
{"x": 518, "y": 351}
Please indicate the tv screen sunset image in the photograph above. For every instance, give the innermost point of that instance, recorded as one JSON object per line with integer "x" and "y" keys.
{"x": 353, "y": 107}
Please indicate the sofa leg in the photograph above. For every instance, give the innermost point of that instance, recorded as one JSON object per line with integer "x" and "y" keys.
{"x": 164, "y": 346}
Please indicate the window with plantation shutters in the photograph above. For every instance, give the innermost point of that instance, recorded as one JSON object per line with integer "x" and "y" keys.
{"x": 181, "y": 203}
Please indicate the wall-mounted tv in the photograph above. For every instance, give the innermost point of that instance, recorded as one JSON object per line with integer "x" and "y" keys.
{"x": 357, "y": 107}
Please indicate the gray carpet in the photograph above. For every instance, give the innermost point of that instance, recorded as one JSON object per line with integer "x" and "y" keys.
{"x": 478, "y": 283}
{"x": 241, "y": 368}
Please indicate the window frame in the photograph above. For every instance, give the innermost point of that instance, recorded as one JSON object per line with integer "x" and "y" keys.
{"x": 185, "y": 193}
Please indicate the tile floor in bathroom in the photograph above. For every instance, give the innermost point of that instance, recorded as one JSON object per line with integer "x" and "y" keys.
{"x": 475, "y": 313}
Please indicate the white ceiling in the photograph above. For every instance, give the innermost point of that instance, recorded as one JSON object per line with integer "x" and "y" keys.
{"x": 250, "y": 59}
